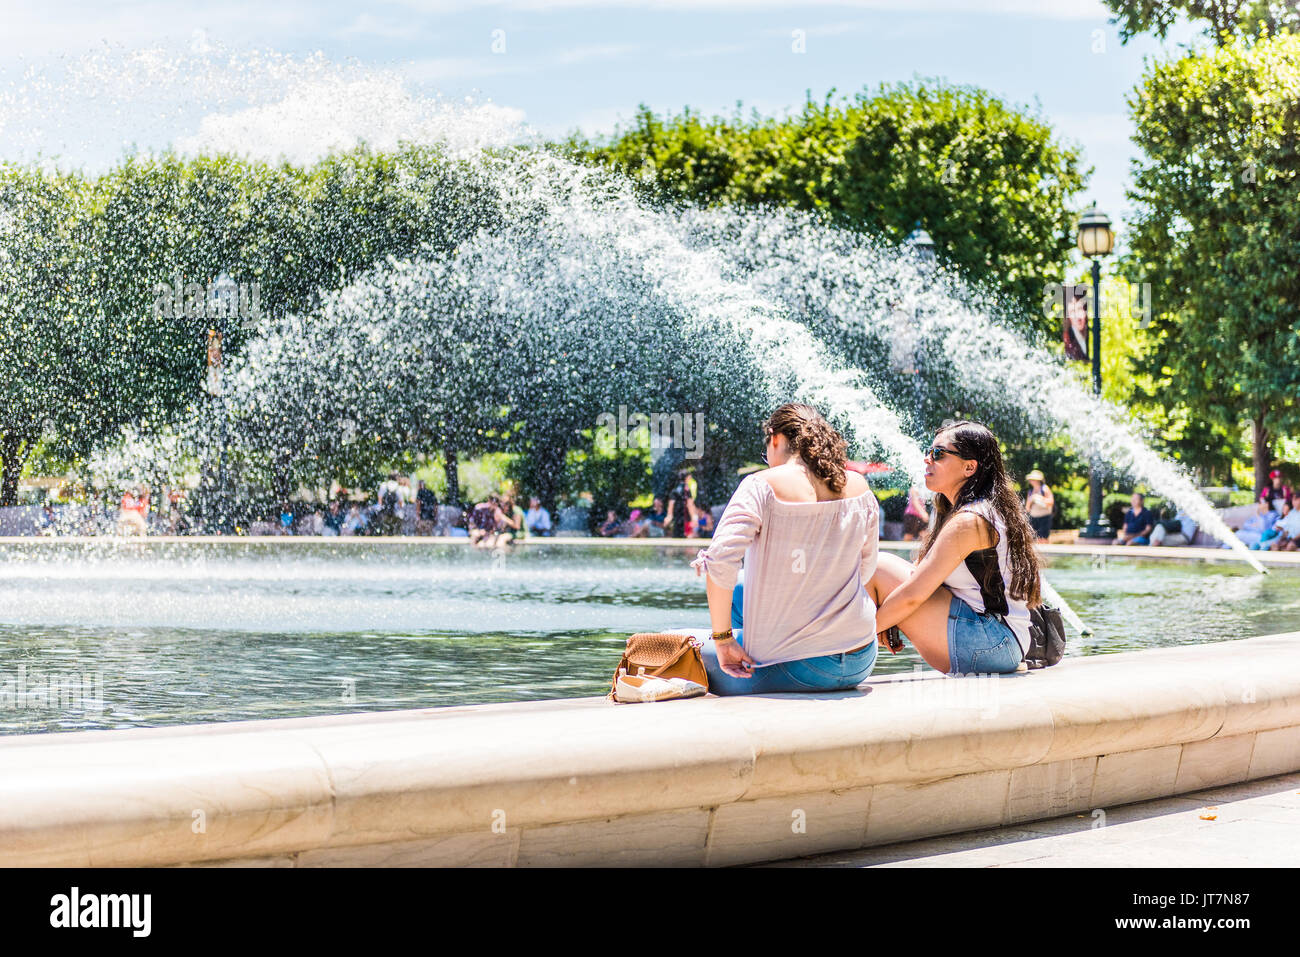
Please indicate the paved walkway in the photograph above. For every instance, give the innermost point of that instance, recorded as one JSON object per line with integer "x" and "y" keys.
{"x": 1256, "y": 824}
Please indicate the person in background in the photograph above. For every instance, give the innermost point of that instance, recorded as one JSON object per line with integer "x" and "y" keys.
{"x": 1178, "y": 531}
{"x": 286, "y": 518}
{"x": 609, "y": 528}
{"x": 1275, "y": 489}
{"x": 703, "y": 522}
{"x": 679, "y": 520}
{"x": 131, "y": 519}
{"x": 1253, "y": 529}
{"x": 1139, "y": 521}
{"x": 1288, "y": 538}
{"x": 1270, "y": 539}
{"x": 178, "y": 522}
{"x": 511, "y": 524}
{"x": 333, "y": 519}
{"x": 654, "y": 526}
{"x": 650, "y": 524}
{"x": 629, "y": 528}
{"x": 916, "y": 517}
{"x": 426, "y": 509}
{"x": 1040, "y": 504}
{"x": 537, "y": 518}
{"x": 49, "y": 521}
{"x": 355, "y": 523}
{"x": 483, "y": 522}
{"x": 390, "y": 485}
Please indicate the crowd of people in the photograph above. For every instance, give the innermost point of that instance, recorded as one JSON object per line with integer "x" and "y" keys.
{"x": 1275, "y": 525}
{"x": 495, "y": 521}
{"x": 499, "y": 519}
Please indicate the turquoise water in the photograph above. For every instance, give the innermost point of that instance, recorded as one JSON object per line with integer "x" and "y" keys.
{"x": 172, "y": 634}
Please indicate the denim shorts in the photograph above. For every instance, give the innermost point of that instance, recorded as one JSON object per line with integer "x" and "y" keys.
{"x": 979, "y": 643}
{"x": 821, "y": 673}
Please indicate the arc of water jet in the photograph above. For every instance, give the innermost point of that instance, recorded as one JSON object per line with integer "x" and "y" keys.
{"x": 989, "y": 361}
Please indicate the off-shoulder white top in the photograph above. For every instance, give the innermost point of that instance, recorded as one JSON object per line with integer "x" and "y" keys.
{"x": 806, "y": 566}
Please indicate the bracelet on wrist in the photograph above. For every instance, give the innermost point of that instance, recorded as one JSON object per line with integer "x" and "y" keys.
{"x": 723, "y": 636}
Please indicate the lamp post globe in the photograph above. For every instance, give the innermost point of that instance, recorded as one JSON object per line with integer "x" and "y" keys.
{"x": 919, "y": 241}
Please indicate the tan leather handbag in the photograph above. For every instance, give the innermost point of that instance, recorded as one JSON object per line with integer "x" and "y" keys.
{"x": 662, "y": 655}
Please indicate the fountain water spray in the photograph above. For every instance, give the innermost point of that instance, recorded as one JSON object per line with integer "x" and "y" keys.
{"x": 815, "y": 306}
{"x": 844, "y": 282}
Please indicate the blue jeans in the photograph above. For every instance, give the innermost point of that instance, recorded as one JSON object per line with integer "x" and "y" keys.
{"x": 823, "y": 673}
{"x": 979, "y": 643}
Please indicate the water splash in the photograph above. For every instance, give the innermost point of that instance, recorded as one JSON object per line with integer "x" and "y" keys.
{"x": 879, "y": 301}
{"x": 801, "y": 308}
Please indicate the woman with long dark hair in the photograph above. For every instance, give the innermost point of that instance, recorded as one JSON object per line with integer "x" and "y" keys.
{"x": 965, "y": 603}
{"x": 801, "y": 618}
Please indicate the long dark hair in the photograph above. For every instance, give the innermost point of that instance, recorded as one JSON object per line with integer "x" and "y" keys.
{"x": 813, "y": 439}
{"x": 990, "y": 483}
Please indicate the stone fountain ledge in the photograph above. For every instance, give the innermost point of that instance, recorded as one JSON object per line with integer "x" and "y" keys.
{"x": 1212, "y": 555}
{"x": 710, "y": 781}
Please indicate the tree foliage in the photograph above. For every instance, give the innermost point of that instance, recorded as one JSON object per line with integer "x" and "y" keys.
{"x": 1215, "y": 233}
{"x": 1222, "y": 19}
{"x": 992, "y": 185}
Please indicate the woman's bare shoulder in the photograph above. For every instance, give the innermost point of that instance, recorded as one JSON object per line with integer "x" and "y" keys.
{"x": 855, "y": 483}
{"x": 784, "y": 480}
{"x": 970, "y": 528}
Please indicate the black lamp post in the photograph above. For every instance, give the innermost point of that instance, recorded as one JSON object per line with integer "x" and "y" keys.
{"x": 1096, "y": 239}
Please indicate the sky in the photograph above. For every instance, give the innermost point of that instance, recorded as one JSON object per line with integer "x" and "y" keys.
{"x": 567, "y": 65}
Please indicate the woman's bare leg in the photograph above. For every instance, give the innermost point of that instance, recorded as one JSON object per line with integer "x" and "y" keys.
{"x": 927, "y": 627}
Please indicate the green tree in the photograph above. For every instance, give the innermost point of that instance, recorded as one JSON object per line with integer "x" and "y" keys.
{"x": 1215, "y": 232}
{"x": 1223, "y": 19}
{"x": 991, "y": 184}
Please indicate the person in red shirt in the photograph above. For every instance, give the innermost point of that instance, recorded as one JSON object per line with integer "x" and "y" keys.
{"x": 1276, "y": 489}
{"x": 135, "y": 503}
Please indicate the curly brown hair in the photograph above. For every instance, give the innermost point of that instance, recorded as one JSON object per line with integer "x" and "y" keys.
{"x": 813, "y": 439}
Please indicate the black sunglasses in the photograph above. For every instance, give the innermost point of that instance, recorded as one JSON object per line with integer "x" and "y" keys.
{"x": 936, "y": 453}
{"x": 767, "y": 437}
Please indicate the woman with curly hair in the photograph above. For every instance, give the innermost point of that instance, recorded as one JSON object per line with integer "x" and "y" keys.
{"x": 801, "y": 618}
{"x": 965, "y": 603}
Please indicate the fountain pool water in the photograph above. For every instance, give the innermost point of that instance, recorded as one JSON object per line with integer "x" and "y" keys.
{"x": 179, "y": 634}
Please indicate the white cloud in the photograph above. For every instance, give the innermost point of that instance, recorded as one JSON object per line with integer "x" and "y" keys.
{"x": 599, "y": 52}
{"x": 820, "y": 30}
{"x": 722, "y": 49}
{"x": 366, "y": 25}
{"x": 451, "y": 69}
{"x": 334, "y": 112}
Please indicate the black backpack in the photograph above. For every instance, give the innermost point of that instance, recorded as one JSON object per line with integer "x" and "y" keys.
{"x": 1046, "y": 636}
{"x": 390, "y": 501}
{"x": 1046, "y": 627}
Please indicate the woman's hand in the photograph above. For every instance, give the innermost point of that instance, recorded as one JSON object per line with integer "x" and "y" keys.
{"x": 733, "y": 660}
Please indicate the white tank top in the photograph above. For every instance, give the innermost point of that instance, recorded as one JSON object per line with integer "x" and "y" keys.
{"x": 963, "y": 584}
